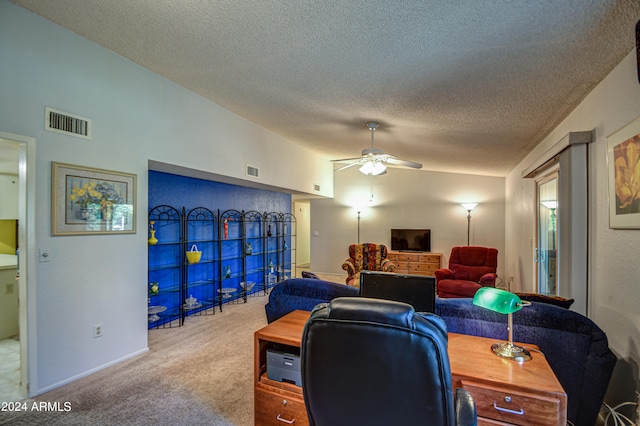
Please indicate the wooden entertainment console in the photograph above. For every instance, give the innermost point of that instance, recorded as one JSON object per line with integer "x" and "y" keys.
{"x": 415, "y": 263}
{"x": 506, "y": 392}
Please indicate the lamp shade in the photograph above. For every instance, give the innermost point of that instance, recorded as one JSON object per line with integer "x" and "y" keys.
{"x": 469, "y": 206}
{"x": 551, "y": 204}
{"x": 372, "y": 168}
{"x": 497, "y": 300}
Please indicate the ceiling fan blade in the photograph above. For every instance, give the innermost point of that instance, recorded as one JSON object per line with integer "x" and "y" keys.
{"x": 347, "y": 166}
{"x": 403, "y": 163}
{"x": 342, "y": 160}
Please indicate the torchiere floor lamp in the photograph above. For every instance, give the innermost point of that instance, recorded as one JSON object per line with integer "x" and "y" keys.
{"x": 468, "y": 207}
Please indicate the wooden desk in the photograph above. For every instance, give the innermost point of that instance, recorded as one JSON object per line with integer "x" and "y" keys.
{"x": 506, "y": 392}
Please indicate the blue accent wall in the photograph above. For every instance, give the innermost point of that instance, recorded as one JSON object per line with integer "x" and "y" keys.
{"x": 180, "y": 191}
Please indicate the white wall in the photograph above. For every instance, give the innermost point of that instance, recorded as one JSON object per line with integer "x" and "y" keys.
{"x": 614, "y": 270}
{"x": 137, "y": 116}
{"x": 302, "y": 210}
{"x": 407, "y": 199}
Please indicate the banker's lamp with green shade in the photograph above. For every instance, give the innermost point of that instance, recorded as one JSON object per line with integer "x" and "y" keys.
{"x": 503, "y": 302}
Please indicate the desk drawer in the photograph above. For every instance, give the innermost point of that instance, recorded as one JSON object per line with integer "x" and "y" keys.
{"x": 278, "y": 410}
{"x": 518, "y": 408}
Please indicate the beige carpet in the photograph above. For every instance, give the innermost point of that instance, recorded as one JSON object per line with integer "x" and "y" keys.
{"x": 199, "y": 374}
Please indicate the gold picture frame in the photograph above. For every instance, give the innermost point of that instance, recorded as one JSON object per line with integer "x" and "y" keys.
{"x": 87, "y": 200}
{"x": 623, "y": 166}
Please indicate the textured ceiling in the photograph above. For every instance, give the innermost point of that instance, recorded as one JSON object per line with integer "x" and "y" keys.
{"x": 460, "y": 86}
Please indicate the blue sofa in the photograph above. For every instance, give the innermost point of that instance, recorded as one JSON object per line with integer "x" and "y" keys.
{"x": 575, "y": 347}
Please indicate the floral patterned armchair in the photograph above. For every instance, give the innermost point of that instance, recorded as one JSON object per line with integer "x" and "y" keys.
{"x": 368, "y": 257}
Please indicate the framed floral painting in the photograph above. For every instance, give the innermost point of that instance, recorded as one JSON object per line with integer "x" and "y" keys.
{"x": 86, "y": 200}
{"x": 623, "y": 164}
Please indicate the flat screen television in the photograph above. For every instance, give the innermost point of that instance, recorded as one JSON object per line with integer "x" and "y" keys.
{"x": 418, "y": 291}
{"x": 411, "y": 239}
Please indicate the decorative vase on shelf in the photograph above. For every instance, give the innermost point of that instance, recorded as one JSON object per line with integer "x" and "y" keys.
{"x": 269, "y": 233}
{"x": 227, "y": 272}
{"x": 154, "y": 289}
{"x": 248, "y": 250}
{"x": 152, "y": 230}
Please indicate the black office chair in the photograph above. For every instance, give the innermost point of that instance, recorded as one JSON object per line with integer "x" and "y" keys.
{"x": 376, "y": 362}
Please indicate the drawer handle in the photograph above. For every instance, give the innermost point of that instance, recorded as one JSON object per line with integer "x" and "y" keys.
{"x": 520, "y": 412}
{"x": 289, "y": 422}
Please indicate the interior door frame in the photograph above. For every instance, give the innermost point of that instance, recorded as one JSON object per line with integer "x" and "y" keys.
{"x": 26, "y": 258}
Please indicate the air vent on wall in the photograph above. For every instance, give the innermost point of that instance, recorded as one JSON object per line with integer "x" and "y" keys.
{"x": 68, "y": 124}
{"x": 252, "y": 171}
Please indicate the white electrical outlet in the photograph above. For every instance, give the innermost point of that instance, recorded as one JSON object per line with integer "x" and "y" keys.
{"x": 97, "y": 330}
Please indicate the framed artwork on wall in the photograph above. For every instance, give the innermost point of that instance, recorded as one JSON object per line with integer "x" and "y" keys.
{"x": 86, "y": 200}
{"x": 623, "y": 166}
{"x": 638, "y": 48}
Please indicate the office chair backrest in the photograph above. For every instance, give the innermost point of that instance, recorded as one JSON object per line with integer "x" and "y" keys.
{"x": 375, "y": 362}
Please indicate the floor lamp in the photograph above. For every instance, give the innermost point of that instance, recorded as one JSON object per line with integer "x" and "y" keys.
{"x": 468, "y": 207}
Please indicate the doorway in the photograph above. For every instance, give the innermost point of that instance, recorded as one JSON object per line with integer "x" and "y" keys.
{"x": 546, "y": 254}
{"x": 14, "y": 166}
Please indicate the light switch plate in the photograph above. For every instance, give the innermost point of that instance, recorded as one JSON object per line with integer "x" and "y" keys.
{"x": 44, "y": 255}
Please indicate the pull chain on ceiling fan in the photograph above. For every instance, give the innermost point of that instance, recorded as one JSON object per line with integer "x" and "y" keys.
{"x": 374, "y": 161}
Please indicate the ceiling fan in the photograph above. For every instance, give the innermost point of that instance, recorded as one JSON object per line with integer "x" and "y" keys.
{"x": 374, "y": 161}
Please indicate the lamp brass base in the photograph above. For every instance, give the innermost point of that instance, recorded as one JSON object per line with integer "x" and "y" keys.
{"x": 511, "y": 351}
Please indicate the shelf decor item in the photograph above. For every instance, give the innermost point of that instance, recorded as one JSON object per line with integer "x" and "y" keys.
{"x": 226, "y": 228}
{"x": 152, "y": 230}
{"x": 227, "y": 272}
{"x": 86, "y": 200}
{"x": 154, "y": 289}
{"x": 193, "y": 256}
{"x": 248, "y": 250}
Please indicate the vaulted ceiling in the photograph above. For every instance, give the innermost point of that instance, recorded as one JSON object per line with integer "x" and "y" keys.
{"x": 460, "y": 86}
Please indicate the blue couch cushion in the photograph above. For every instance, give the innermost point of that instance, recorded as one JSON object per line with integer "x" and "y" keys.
{"x": 304, "y": 294}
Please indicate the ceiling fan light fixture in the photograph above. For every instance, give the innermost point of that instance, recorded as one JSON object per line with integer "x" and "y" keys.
{"x": 374, "y": 161}
{"x": 372, "y": 168}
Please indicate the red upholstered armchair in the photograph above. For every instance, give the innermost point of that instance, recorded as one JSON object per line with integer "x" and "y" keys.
{"x": 366, "y": 256}
{"x": 469, "y": 269}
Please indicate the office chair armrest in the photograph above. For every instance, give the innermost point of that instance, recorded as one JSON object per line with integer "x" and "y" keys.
{"x": 466, "y": 414}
